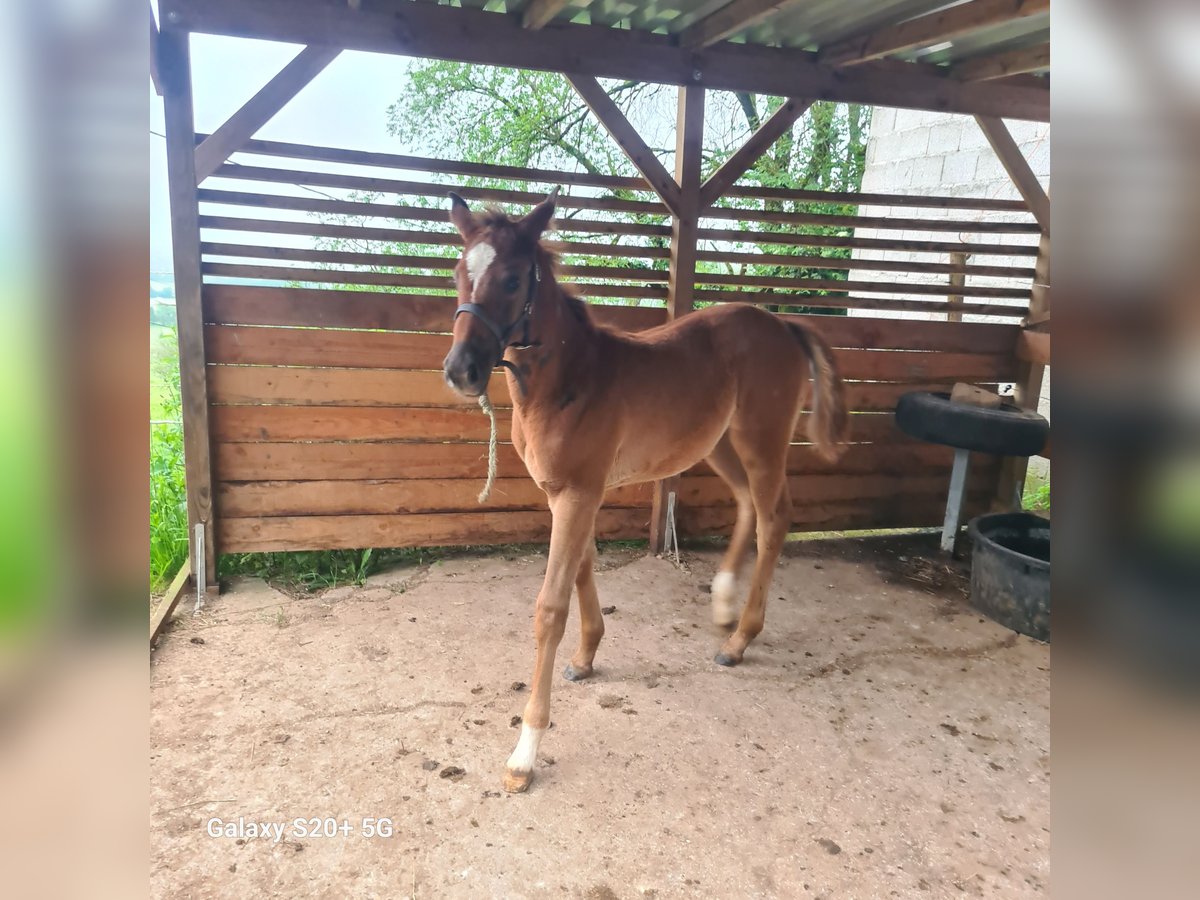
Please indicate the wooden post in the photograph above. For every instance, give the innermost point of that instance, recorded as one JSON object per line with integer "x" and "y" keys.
{"x": 175, "y": 71}
{"x": 1028, "y": 386}
{"x": 689, "y": 142}
{"x": 957, "y": 279}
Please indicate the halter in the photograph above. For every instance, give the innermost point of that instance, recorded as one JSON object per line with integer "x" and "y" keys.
{"x": 503, "y": 336}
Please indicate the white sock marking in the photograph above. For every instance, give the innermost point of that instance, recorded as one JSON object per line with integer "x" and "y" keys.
{"x": 724, "y": 598}
{"x": 524, "y": 756}
{"x": 479, "y": 258}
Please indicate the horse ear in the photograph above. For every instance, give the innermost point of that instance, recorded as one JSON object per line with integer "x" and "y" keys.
{"x": 539, "y": 217}
{"x": 462, "y": 217}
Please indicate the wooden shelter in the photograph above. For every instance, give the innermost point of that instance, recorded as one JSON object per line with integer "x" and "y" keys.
{"x": 315, "y": 415}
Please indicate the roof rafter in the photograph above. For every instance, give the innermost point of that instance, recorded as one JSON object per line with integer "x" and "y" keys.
{"x": 1003, "y": 65}
{"x": 748, "y": 154}
{"x": 728, "y": 21}
{"x": 928, "y": 30}
{"x": 628, "y": 139}
{"x": 259, "y": 109}
{"x": 539, "y": 13}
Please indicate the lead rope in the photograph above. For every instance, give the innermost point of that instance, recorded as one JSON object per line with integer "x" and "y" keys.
{"x": 486, "y": 405}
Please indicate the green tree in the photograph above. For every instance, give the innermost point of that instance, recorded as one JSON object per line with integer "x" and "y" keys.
{"x": 536, "y": 120}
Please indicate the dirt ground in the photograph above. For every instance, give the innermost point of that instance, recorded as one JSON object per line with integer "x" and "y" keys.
{"x": 880, "y": 740}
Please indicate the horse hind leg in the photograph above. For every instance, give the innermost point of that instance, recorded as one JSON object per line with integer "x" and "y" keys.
{"x": 725, "y": 462}
{"x": 591, "y": 620}
{"x": 772, "y": 502}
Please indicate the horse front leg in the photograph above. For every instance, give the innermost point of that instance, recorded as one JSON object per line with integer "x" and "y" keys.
{"x": 574, "y": 517}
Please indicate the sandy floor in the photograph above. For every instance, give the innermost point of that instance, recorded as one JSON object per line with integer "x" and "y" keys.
{"x": 881, "y": 739}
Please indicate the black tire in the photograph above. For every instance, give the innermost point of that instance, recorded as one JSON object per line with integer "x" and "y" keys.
{"x": 1006, "y": 431}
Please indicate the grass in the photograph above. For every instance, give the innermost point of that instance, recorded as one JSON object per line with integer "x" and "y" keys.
{"x": 168, "y": 494}
{"x": 1037, "y": 495}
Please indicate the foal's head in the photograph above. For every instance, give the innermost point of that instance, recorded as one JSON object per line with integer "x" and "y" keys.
{"x": 496, "y": 278}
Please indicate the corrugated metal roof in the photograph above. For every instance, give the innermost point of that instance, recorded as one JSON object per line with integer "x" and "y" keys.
{"x": 801, "y": 24}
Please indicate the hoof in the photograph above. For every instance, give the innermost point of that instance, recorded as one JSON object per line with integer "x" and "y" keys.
{"x": 573, "y": 674}
{"x": 517, "y": 782}
{"x": 724, "y": 659}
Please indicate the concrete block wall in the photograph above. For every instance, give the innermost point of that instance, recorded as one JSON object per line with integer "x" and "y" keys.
{"x": 945, "y": 154}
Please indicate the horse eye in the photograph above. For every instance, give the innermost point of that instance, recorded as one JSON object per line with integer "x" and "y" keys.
{"x": 511, "y": 283}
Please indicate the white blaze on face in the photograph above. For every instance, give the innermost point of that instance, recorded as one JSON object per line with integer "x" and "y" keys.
{"x": 479, "y": 258}
{"x": 525, "y": 755}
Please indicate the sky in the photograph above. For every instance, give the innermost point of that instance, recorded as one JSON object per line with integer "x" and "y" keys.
{"x": 344, "y": 106}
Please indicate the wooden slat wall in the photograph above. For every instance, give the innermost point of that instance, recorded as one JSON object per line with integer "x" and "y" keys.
{"x": 332, "y": 427}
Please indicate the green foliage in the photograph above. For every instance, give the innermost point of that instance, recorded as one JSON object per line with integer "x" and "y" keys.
{"x": 1037, "y": 497}
{"x": 168, "y": 494}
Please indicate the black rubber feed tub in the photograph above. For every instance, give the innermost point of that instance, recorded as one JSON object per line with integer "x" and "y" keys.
{"x": 1010, "y": 571}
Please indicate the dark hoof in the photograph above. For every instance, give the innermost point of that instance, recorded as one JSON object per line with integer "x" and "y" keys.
{"x": 724, "y": 659}
{"x": 573, "y": 674}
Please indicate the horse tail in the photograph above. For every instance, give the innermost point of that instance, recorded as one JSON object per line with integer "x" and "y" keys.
{"x": 829, "y": 423}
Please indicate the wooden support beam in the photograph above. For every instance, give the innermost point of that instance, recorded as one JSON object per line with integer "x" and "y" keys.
{"x": 628, "y": 139}
{"x": 476, "y": 36}
{"x": 728, "y": 21}
{"x": 1003, "y": 65}
{"x": 958, "y": 279}
{"x": 1030, "y": 377}
{"x": 1018, "y": 169}
{"x": 928, "y": 30}
{"x": 748, "y": 154}
{"x": 166, "y": 606}
{"x": 259, "y": 109}
{"x": 539, "y": 13}
{"x": 185, "y": 242}
{"x": 689, "y": 144}
{"x": 155, "y": 78}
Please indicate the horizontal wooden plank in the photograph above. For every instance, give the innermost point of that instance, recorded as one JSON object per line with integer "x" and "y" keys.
{"x": 897, "y": 512}
{"x": 302, "y": 386}
{"x": 350, "y": 423}
{"x": 272, "y": 533}
{"x": 422, "y": 530}
{"x": 247, "y": 424}
{"x": 407, "y": 496}
{"x": 806, "y": 490}
{"x": 243, "y": 304}
{"x": 384, "y": 497}
{"x": 364, "y": 233}
{"x": 880, "y": 223}
{"x": 390, "y": 460}
{"x": 248, "y": 345}
{"x": 860, "y": 263}
{"x": 885, "y": 287}
{"x": 409, "y": 213}
{"x": 389, "y": 279}
{"x": 867, "y": 333}
{"x": 796, "y": 239}
{"x": 859, "y": 198}
{"x": 554, "y": 176}
{"x": 840, "y": 301}
{"x": 402, "y": 261}
{"x": 355, "y": 461}
{"x": 374, "y": 185}
{"x": 441, "y": 166}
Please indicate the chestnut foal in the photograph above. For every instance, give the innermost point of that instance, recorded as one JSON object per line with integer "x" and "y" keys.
{"x": 595, "y": 408}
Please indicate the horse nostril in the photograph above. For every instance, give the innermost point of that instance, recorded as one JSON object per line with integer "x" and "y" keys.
{"x": 472, "y": 374}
